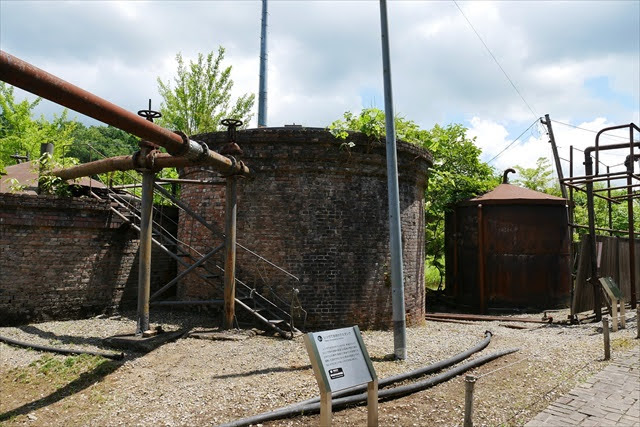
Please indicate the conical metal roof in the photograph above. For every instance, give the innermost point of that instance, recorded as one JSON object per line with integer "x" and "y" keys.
{"x": 507, "y": 194}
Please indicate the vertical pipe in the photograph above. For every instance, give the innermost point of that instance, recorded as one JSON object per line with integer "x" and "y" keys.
{"x": 230, "y": 252}
{"x": 571, "y": 219}
{"x": 395, "y": 232}
{"x": 262, "y": 93}
{"x": 588, "y": 168}
{"x": 481, "y": 260}
{"x": 609, "y": 207}
{"x": 632, "y": 244}
{"x": 144, "y": 270}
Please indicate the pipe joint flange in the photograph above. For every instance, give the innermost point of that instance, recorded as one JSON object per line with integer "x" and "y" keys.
{"x": 233, "y": 169}
{"x": 150, "y": 161}
{"x": 205, "y": 151}
{"x": 185, "y": 148}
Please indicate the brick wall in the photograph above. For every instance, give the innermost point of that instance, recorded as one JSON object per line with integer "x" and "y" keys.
{"x": 319, "y": 210}
{"x": 65, "y": 258}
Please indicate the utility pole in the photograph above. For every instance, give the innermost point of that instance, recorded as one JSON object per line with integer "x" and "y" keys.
{"x": 262, "y": 93}
{"x": 395, "y": 232}
{"x": 556, "y": 157}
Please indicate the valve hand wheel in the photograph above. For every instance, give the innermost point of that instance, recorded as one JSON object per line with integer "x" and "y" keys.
{"x": 231, "y": 122}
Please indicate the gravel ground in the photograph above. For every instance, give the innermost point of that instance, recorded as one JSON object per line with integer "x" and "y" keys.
{"x": 201, "y": 382}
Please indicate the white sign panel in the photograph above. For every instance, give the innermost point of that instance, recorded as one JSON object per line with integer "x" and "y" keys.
{"x": 341, "y": 358}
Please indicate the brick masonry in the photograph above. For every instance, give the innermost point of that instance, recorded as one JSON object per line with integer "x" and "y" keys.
{"x": 318, "y": 209}
{"x": 65, "y": 258}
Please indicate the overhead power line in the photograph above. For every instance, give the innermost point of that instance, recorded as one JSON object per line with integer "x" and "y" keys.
{"x": 496, "y": 60}
{"x": 513, "y": 142}
{"x": 589, "y": 130}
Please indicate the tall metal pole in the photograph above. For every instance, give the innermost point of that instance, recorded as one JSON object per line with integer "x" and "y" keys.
{"x": 395, "y": 232}
{"x": 262, "y": 94}
{"x": 588, "y": 171}
{"x": 230, "y": 253}
{"x": 556, "y": 157}
{"x": 144, "y": 269}
{"x": 632, "y": 243}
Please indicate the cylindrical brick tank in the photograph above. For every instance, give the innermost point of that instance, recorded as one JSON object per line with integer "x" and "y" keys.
{"x": 509, "y": 249}
{"x": 316, "y": 207}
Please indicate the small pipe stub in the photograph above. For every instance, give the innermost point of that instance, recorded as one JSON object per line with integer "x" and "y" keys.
{"x": 231, "y": 148}
{"x": 505, "y": 177}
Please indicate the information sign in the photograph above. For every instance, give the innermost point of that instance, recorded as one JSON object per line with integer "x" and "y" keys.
{"x": 340, "y": 360}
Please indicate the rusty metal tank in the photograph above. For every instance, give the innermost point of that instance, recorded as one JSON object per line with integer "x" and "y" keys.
{"x": 509, "y": 249}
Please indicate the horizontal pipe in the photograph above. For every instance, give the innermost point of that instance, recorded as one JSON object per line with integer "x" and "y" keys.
{"x": 481, "y": 317}
{"x": 386, "y": 394}
{"x": 114, "y": 356}
{"x": 608, "y": 230}
{"x": 124, "y": 163}
{"x": 37, "y": 81}
{"x": 205, "y": 302}
{"x": 425, "y": 370}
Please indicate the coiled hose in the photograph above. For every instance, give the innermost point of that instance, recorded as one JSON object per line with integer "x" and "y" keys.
{"x": 313, "y": 405}
{"x": 114, "y": 356}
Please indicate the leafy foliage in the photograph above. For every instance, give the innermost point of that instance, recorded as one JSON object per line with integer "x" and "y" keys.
{"x": 457, "y": 173}
{"x": 201, "y": 96}
{"x": 538, "y": 178}
{"x": 21, "y": 134}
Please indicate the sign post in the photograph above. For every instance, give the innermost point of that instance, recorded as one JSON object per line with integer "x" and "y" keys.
{"x": 340, "y": 360}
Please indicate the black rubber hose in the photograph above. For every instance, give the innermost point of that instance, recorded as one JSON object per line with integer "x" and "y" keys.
{"x": 386, "y": 394}
{"x": 114, "y": 356}
{"x": 425, "y": 370}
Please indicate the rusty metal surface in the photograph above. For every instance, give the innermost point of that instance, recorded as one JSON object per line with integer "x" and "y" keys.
{"x": 481, "y": 318}
{"x": 32, "y": 79}
{"x": 509, "y": 194}
{"x": 524, "y": 260}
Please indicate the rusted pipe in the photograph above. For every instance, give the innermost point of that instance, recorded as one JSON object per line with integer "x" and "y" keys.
{"x": 632, "y": 244}
{"x": 123, "y": 163}
{"x": 505, "y": 175}
{"x": 230, "y": 252}
{"x": 32, "y": 79}
{"x": 597, "y": 148}
{"x": 485, "y": 318}
{"x": 481, "y": 260}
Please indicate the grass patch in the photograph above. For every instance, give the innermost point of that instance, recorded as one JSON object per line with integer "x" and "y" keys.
{"x": 59, "y": 371}
{"x": 622, "y": 343}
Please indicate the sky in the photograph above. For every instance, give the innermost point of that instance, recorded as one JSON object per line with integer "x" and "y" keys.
{"x": 494, "y": 67}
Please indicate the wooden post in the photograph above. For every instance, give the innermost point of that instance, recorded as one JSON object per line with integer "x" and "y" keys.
{"x": 325, "y": 409}
{"x": 372, "y": 403}
{"x": 230, "y": 253}
{"x": 614, "y": 314}
{"x": 605, "y": 333}
{"x": 469, "y": 382}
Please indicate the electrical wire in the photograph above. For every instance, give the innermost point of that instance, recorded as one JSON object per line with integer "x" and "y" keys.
{"x": 589, "y": 130}
{"x": 513, "y": 142}
{"x": 496, "y": 60}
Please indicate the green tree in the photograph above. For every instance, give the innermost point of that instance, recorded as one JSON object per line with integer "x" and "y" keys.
{"x": 457, "y": 173}
{"x": 22, "y": 134}
{"x": 201, "y": 96}
{"x": 97, "y": 142}
{"x": 539, "y": 178}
